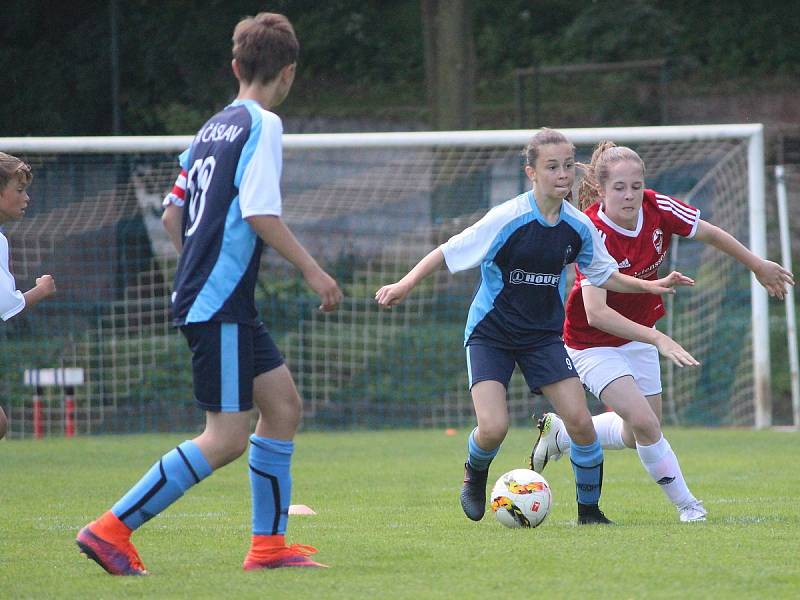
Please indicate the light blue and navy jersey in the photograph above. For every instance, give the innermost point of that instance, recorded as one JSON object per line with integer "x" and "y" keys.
{"x": 233, "y": 170}
{"x": 523, "y": 261}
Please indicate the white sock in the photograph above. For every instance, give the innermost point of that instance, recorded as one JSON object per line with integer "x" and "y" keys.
{"x": 660, "y": 461}
{"x": 608, "y": 426}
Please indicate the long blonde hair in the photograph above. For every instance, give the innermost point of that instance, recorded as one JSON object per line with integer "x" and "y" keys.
{"x": 596, "y": 173}
{"x": 11, "y": 166}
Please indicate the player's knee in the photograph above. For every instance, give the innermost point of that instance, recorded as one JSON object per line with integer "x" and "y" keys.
{"x": 646, "y": 428}
{"x": 492, "y": 434}
{"x": 579, "y": 426}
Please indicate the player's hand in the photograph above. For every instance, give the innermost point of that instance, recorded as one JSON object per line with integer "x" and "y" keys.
{"x": 669, "y": 348}
{"x": 774, "y": 278}
{"x": 392, "y": 294}
{"x": 329, "y": 293}
{"x": 46, "y": 284}
{"x": 667, "y": 285}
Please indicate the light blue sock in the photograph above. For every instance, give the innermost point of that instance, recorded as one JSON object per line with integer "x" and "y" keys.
{"x": 479, "y": 458}
{"x": 587, "y": 462}
{"x": 270, "y": 484}
{"x": 165, "y": 482}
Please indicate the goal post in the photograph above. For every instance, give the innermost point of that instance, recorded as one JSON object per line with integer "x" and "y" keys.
{"x": 369, "y": 205}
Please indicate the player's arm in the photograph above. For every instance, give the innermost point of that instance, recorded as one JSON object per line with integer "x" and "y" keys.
{"x": 172, "y": 220}
{"x": 619, "y": 282}
{"x": 277, "y": 235}
{"x": 44, "y": 288}
{"x": 601, "y": 316}
{"x": 769, "y": 274}
{"x": 172, "y": 217}
{"x": 394, "y": 293}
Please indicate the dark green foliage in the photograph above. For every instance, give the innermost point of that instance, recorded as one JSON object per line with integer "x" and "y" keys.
{"x": 357, "y": 58}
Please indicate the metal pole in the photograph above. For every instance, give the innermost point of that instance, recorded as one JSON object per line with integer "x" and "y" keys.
{"x": 791, "y": 318}
{"x": 760, "y": 309}
{"x": 114, "y": 25}
{"x": 537, "y": 116}
{"x": 520, "y": 81}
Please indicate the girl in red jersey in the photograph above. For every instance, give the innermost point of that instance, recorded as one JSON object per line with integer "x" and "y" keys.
{"x": 611, "y": 337}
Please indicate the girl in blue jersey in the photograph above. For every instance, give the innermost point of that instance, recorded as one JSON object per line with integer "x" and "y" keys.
{"x": 523, "y": 247}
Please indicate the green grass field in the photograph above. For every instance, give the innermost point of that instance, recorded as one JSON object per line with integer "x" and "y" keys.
{"x": 390, "y": 525}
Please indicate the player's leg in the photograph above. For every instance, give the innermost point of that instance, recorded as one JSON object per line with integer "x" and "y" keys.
{"x": 270, "y": 457}
{"x": 639, "y": 405}
{"x": 215, "y": 366}
{"x": 598, "y": 368}
{"x": 662, "y": 464}
{"x": 549, "y": 369}
{"x": 3, "y": 423}
{"x": 586, "y": 455}
{"x": 489, "y": 371}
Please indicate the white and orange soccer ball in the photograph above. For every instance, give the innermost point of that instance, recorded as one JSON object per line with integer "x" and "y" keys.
{"x": 521, "y": 498}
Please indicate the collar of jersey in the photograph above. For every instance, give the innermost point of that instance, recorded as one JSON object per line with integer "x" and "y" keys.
{"x": 240, "y": 101}
{"x": 538, "y": 214}
{"x": 621, "y": 230}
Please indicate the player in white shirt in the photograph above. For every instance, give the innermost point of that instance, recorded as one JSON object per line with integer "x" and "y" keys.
{"x": 15, "y": 177}
{"x": 523, "y": 247}
{"x": 611, "y": 337}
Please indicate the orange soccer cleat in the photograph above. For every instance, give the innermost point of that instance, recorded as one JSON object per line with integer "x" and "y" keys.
{"x": 107, "y": 542}
{"x": 270, "y": 552}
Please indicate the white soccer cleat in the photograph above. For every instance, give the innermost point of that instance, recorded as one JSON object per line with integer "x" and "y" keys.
{"x": 692, "y": 512}
{"x": 546, "y": 447}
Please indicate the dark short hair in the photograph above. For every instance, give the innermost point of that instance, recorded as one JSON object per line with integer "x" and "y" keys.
{"x": 263, "y": 45}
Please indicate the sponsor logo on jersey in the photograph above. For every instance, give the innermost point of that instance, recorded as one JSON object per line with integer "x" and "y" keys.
{"x": 518, "y": 276}
{"x": 624, "y": 264}
{"x": 658, "y": 239}
{"x": 651, "y": 268}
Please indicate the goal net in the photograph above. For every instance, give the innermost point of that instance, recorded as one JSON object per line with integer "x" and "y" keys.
{"x": 368, "y": 206}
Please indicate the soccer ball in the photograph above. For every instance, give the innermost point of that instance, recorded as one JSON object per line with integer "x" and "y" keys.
{"x": 521, "y": 498}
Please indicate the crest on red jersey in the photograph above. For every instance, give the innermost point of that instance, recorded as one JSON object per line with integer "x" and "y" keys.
{"x": 658, "y": 240}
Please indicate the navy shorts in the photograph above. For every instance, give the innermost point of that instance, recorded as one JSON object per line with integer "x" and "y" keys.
{"x": 541, "y": 365}
{"x": 226, "y": 357}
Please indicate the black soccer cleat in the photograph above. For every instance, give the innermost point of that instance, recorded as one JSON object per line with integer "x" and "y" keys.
{"x": 473, "y": 492}
{"x": 590, "y": 514}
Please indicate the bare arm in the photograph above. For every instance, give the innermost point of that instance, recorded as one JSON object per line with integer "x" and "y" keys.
{"x": 44, "y": 288}
{"x": 394, "y": 293}
{"x": 771, "y": 275}
{"x": 600, "y": 315}
{"x": 171, "y": 219}
{"x": 277, "y": 235}
{"x": 619, "y": 282}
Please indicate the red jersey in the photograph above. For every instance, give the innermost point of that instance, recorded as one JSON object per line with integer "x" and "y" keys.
{"x": 638, "y": 253}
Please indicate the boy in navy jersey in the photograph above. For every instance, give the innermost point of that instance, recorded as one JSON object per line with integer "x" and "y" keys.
{"x": 232, "y": 207}
{"x": 15, "y": 177}
{"x": 523, "y": 247}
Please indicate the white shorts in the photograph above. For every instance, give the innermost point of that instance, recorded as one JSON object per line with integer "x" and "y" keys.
{"x": 600, "y": 366}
